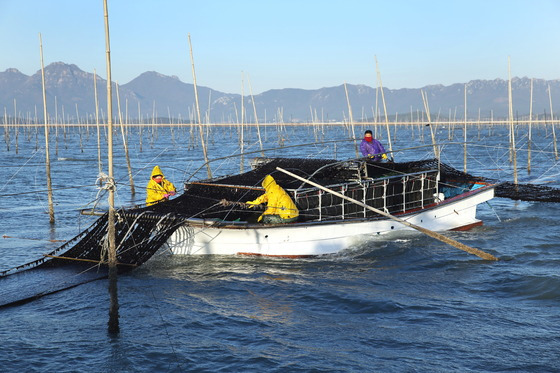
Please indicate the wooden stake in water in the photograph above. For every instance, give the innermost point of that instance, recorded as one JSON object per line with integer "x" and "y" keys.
{"x": 202, "y": 141}
{"x": 465, "y": 135}
{"x": 125, "y": 144}
{"x": 351, "y": 118}
{"x": 242, "y": 132}
{"x": 112, "y": 257}
{"x": 16, "y": 126}
{"x": 430, "y": 124}
{"x": 553, "y": 126}
{"x": 46, "y": 121}
{"x": 6, "y": 130}
{"x": 99, "y": 163}
{"x": 255, "y": 113}
{"x": 56, "y": 126}
{"x": 511, "y": 126}
{"x": 384, "y": 107}
{"x": 530, "y": 135}
{"x": 140, "y": 124}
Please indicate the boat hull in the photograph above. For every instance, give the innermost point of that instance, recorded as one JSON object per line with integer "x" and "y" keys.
{"x": 319, "y": 238}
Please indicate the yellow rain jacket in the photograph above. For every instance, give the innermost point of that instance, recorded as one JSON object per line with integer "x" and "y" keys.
{"x": 279, "y": 202}
{"x": 156, "y": 192}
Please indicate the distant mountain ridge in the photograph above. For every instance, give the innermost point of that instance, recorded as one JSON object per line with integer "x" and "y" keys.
{"x": 70, "y": 94}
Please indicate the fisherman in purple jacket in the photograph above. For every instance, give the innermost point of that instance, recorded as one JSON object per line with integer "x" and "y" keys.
{"x": 372, "y": 148}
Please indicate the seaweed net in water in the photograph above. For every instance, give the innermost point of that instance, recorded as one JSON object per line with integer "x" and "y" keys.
{"x": 141, "y": 232}
{"x": 138, "y": 234}
{"x": 83, "y": 259}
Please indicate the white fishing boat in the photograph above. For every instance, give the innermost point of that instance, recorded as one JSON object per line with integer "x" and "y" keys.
{"x": 347, "y": 202}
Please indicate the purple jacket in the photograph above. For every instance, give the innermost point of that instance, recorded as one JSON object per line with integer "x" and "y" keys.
{"x": 371, "y": 148}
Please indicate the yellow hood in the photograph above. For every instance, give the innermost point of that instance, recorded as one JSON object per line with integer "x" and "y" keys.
{"x": 268, "y": 182}
{"x": 156, "y": 171}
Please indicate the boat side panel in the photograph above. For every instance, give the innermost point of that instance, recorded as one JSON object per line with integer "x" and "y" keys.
{"x": 317, "y": 239}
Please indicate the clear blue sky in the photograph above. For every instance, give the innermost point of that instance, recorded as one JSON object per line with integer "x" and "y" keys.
{"x": 289, "y": 43}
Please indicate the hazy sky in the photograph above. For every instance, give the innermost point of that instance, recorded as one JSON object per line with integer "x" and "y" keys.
{"x": 289, "y": 43}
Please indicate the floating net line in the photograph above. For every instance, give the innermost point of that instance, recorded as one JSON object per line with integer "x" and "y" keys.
{"x": 138, "y": 234}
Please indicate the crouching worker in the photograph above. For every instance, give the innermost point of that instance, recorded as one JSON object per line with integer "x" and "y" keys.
{"x": 280, "y": 207}
{"x": 159, "y": 189}
{"x": 372, "y": 148}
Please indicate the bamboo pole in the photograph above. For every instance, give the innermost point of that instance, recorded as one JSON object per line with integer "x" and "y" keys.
{"x": 384, "y": 107}
{"x": 207, "y": 120}
{"x": 64, "y": 122}
{"x": 204, "y": 152}
{"x": 46, "y": 122}
{"x": 465, "y": 135}
{"x": 153, "y": 127}
{"x": 376, "y": 113}
{"x": 16, "y": 126}
{"x": 6, "y": 130}
{"x": 437, "y": 236}
{"x": 141, "y": 126}
{"x": 511, "y": 126}
{"x": 530, "y": 135}
{"x": 242, "y": 137}
{"x": 171, "y": 128}
{"x": 255, "y": 113}
{"x": 36, "y": 131}
{"x": 478, "y": 124}
{"x": 552, "y": 123}
{"x": 396, "y": 126}
{"x": 56, "y": 126}
{"x": 420, "y": 124}
{"x": 125, "y": 144}
{"x": 99, "y": 163}
{"x": 112, "y": 257}
{"x": 427, "y": 108}
{"x": 351, "y": 118}
{"x": 79, "y": 128}
{"x": 452, "y": 127}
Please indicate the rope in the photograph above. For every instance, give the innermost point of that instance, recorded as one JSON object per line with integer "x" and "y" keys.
{"x": 85, "y": 260}
{"x": 18, "y": 170}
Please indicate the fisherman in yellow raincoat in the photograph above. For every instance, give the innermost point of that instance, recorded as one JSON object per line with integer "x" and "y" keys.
{"x": 280, "y": 208}
{"x": 159, "y": 189}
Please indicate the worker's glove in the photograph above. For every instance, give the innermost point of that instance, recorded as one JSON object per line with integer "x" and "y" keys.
{"x": 251, "y": 204}
{"x": 172, "y": 193}
{"x": 370, "y": 155}
{"x": 384, "y": 156}
{"x": 166, "y": 196}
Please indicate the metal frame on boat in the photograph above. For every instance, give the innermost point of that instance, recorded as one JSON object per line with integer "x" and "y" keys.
{"x": 328, "y": 223}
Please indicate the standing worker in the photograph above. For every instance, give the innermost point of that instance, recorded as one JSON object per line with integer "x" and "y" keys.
{"x": 280, "y": 208}
{"x": 372, "y": 148}
{"x": 159, "y": 189}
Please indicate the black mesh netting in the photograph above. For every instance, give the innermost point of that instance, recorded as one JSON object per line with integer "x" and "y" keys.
{"x": 140, "y": 232}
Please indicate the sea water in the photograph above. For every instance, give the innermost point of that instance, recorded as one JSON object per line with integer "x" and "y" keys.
{"x": 404, "y": 303}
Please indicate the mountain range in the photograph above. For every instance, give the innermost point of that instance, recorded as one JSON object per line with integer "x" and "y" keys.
{"x": 159, "y": 98}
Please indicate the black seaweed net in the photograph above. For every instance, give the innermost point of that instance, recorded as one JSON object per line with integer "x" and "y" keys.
{"x": 141, "y": 232}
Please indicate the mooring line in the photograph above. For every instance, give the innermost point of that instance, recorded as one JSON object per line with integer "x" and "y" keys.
{"x": 86, "y": 260}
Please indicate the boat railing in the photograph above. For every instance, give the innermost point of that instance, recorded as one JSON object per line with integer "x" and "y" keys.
{"x": 393, "y": 194}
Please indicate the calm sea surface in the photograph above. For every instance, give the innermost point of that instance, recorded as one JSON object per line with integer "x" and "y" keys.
{"x": 396, "y": 304}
